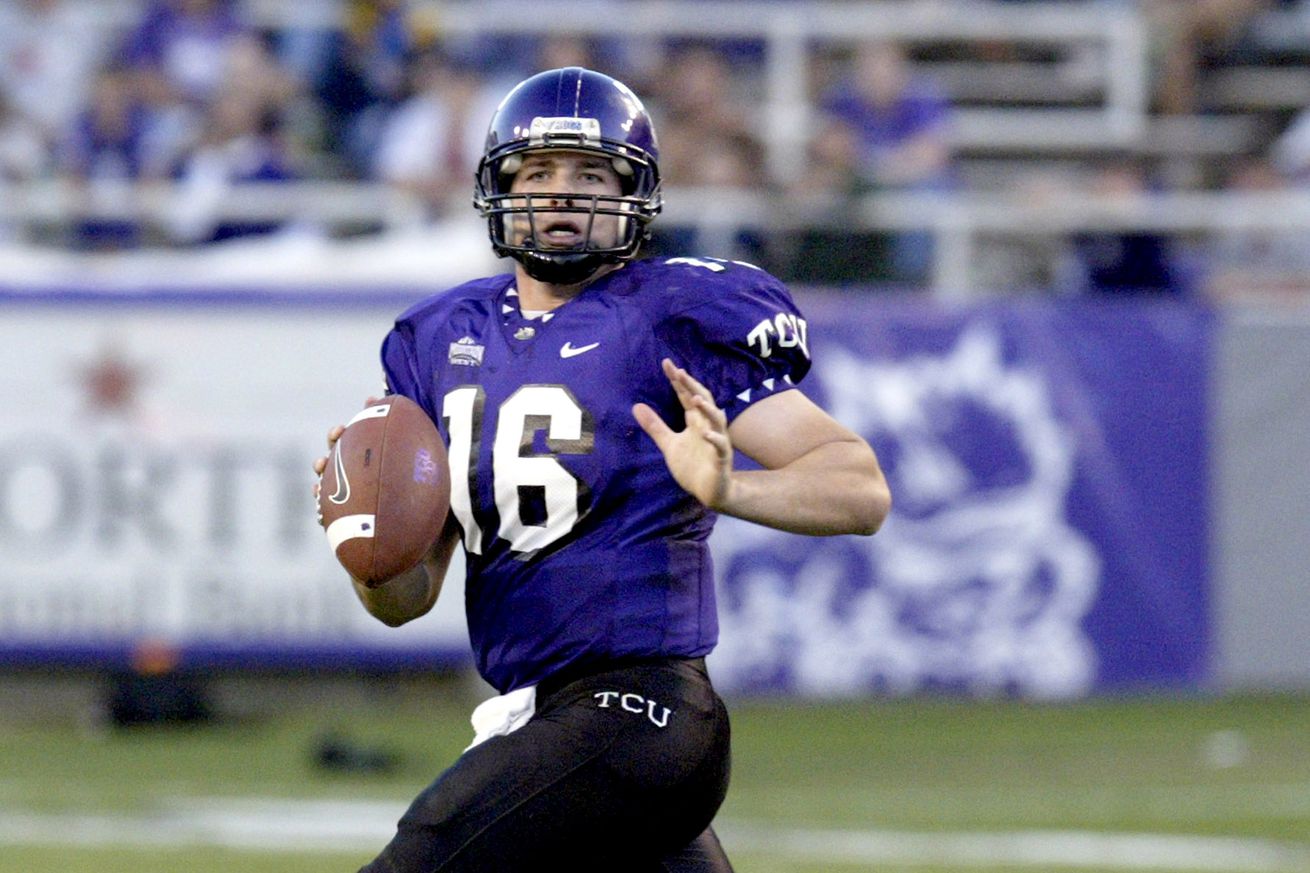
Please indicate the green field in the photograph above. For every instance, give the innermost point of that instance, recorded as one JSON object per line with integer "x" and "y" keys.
{"x": 1218, "y": 784}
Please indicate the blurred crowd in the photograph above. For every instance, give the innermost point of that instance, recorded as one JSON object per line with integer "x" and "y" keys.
{"x": 205, "y": 95}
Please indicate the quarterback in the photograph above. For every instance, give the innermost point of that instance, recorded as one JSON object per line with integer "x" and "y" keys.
{"x": 593, "y": 403}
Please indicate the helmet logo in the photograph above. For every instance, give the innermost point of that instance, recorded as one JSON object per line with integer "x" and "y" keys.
{"x": 578, "y": 131}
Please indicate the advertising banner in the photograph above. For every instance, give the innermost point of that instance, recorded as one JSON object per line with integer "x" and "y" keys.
{"x": 1047, "y": 460}
{"x": 1048, "y": 536}
{"x": 155, "y": 481}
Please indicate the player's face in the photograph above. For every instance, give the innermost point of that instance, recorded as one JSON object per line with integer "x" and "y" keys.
{"x": 560, "y": 174}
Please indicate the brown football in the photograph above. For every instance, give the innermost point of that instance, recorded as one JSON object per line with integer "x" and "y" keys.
{"x": 385, "y": 493}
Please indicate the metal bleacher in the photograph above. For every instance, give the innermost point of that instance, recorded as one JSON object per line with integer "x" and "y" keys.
{"x": 1033, "y": 84}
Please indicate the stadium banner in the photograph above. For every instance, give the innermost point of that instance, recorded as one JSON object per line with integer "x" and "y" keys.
{"x": 156, "y": 488}
{"x": 1048, "y": 460}
{"x": 1048, "y": 538}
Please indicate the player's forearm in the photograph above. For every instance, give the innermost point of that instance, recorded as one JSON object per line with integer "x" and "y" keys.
{"x": 837, "y": 488}
{"x": 414, "y": 592}
{"x": 402, "y": 599}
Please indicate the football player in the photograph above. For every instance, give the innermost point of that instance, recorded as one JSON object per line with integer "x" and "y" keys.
{"x": 592, "y": 403}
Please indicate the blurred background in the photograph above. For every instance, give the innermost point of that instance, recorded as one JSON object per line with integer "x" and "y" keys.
{"x": 1055, "y": 261}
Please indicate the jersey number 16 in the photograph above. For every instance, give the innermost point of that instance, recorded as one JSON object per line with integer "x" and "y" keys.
{"x": 536, "y": 498}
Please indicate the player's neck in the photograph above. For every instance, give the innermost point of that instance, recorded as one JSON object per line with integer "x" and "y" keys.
{"x": 543, "y": 296}
{"x": 535, "y": 295}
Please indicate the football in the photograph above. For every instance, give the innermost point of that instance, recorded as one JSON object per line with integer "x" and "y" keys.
{"x": 385, "y": 492}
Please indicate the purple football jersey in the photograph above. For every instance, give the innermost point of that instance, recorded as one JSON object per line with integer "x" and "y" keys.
{"x": 580, "y": 545}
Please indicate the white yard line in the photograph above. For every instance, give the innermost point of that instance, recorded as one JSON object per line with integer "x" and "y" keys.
{"x": 1039, "y": 849}
{"x": 269, "y": 824}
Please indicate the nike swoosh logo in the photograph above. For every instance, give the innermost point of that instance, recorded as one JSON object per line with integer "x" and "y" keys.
{"x": 568, "y": 351}
{"x": 343, "y": 484}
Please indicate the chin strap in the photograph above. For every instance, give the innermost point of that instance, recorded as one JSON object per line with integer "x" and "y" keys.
{"x": 562, "y": 269}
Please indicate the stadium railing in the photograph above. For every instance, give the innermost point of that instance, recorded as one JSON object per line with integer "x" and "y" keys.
{"x": 962, "y": 224}
{"x": 1115, "y": 34}
{"x": 1106, "y": 109}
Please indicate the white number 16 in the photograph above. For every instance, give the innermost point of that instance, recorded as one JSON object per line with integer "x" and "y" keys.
{"x": 516, "y": 469}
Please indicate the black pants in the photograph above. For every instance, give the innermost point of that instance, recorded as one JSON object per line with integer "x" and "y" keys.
{"x": 621, "y": 770}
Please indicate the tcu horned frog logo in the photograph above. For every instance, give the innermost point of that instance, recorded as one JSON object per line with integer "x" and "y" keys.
{"x": 977, "y": 582}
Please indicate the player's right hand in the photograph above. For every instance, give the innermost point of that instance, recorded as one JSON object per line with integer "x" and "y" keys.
{"x": 321, "y": 462}
{"x": 334, "y": 433}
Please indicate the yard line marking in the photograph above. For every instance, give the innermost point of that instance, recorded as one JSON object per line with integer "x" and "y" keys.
{"x": 273, "y": 824}
{"x": 1042, "y": 849}
{"x": 1173, "y": 804}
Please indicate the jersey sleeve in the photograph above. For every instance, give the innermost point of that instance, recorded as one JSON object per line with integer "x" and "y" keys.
{"x": 743, "y": 337}
{"x": 400, "y": 363}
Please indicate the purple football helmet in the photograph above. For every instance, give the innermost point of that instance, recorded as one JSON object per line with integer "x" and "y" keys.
{"x": 579, "y": 110}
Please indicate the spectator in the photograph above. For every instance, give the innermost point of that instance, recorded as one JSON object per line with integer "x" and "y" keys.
{"x": 903, "y": 124}
{"x": 1184, "y": 33}
{"x": 430, "y": 144}
{"x": 505, "y": 57}
{"x": 181, "y": 49}
{"x": 1012, "y": 262}
{"x": 241, "y": 144}
{"x": 280, "y": 96}
{"x": 695, "y": 103}
{"x": 50, "y": 51}
{"x": 554, "y": 51}
{"x": 1259, "y": 263}
{"x": 1119, "y": 262}
{"x": 832, "y": 249}
{"x": 24, "y": 154}
{"x": 727, "y": 176}
{"x": 182, "y": 53}
{"x": 252, "y": 66}
{"x": 557, "y": 51}
{"x": 1289, "y": 153}
{"x": 107, "y": 153}
{"x": 365, "y": 76}
{"x": 708, "y": 140}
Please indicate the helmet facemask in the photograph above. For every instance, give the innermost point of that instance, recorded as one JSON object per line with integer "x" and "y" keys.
{"x": 576, "y": 110}
{"x": 519, "y": 222}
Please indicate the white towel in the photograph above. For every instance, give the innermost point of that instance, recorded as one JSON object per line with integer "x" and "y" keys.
{"x": 504, "y": 714}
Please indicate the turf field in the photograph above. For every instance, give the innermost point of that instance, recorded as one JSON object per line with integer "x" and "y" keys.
{"x": 908, "y": 785}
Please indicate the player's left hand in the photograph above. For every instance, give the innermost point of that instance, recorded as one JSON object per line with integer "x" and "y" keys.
{"x": 700, "y": 455}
